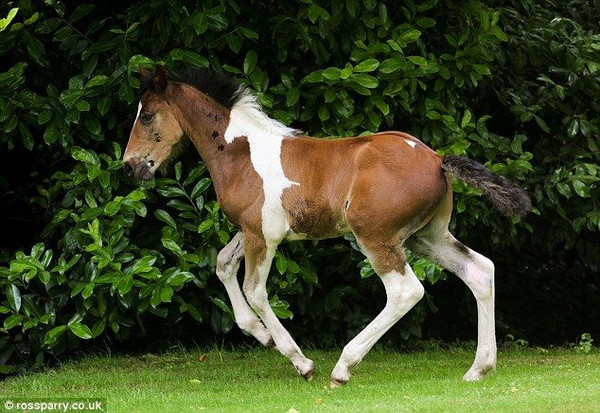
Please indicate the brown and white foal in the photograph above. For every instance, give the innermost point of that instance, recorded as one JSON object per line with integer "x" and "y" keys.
{"x": 388, "y": 189}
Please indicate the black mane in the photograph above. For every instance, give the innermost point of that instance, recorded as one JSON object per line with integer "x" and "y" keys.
{"x": 220, "y": 87}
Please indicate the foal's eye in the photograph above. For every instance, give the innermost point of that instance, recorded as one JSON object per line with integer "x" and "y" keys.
{"x": 146, "y": 117}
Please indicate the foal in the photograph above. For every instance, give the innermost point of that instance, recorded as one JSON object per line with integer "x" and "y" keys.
{"x": 388, "y": 189}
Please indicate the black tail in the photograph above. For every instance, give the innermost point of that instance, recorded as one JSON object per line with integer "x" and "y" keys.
{"x": 506, "y": 196}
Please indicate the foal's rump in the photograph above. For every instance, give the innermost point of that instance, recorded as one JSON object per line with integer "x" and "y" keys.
{"x": 385, "y": 183}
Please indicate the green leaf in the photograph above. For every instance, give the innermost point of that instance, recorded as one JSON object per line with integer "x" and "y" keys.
{"x": 281, "y": 264}
{"x": 410, "y": 35}
{"x": 87, "y": 290}
{"x": 564, "y": 189}
{"x": 14, "y": 297}
{"x": 222, "y": 305}
{"x": 171, "y": 245}
{"x": 98, "y": 328}
{"x": 205, "y": 226}
{"x": 541, "y": 123}
{"x": 314, "y": 77}
{"x": 367, "y": 81}
{"x": 104, "y": 105}
{"x": 81, "y": 330}
{"x": 112, "y": 208}
{"x": 223, "y": 237}
{"x": 573, "y": 128}
{"x": 466, "y": 119}
{"x": 484, "y": 70}
{"x": 166, "y": 292}
{"x": 12, "y": 321}
{"x": 292, "y": 96}
{"x": 324, "y": 113}
{"x": 250, "y": 61}
{"x": 81, "y": 11}
{"x": 432, "y": 114}
{"x": 98, "y": 80}
{"x": 280, "y": 308}
{"x": 418, "y": 60}
{"x": 308, "y": 275}
{"x": 424, "y": 22}
{"x": 6, "y": 21}
{"x": 368, "y": 65}
{"x": 54, "y": 334}
{"x": 332, "y": 73}
{"x": 93, "y": 125}
{"x": 165, "y": 217}
{"x": 581, "y": 189}
{"x": 500, "y": 35}
{"x": 200, "y": 187}
{"x": 51, "y": 133}
{"x": 70, "y": 96}
{"x": 82, "y": 106}
{"x": 190, "y": 57}
{"x": 84, "y": 155}
{"x": 391, "y": 65}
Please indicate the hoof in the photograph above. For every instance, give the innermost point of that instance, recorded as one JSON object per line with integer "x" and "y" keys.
{"x": 271, "y": 344}
{"x": 472, "y": 376}
{"x": 335, "y": 383}
{"x": 477, "y": 373}
{"x": 306, "y": 369}
{"x": 308, "y": 376}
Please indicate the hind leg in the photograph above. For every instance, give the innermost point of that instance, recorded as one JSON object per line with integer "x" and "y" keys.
{"x": 477, "y": 272}
{"x": 403, "y": 291}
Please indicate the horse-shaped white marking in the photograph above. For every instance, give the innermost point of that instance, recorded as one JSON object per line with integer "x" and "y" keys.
{"x": 264, "y": 137}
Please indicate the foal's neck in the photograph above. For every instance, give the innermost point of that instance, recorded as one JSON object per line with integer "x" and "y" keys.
{"x": 205, "y": 121}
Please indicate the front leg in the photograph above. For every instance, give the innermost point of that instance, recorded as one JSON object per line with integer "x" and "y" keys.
{"x": 259, "y": 256}
{"x": 228, "y": 263}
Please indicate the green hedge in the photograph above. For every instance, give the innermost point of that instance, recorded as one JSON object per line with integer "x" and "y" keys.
{"x": 111, "y": 257}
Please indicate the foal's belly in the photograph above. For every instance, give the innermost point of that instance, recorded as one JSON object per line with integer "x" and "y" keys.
{"x": 314, "y": 219}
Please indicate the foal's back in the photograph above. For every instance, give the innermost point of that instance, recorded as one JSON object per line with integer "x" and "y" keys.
{"x": 387, "y": 181}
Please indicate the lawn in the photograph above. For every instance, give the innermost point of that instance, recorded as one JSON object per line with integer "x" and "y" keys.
{"x": 262, "y": 380}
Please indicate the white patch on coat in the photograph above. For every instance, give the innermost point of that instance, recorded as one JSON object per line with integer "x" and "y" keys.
{"x": 411, "y": 143}
{"x": 265, "y": 136}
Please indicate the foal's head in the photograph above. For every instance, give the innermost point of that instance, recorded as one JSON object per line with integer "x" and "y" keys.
{"x": 156, "y": 129}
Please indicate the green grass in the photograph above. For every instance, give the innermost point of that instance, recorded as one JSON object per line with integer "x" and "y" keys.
{"x": 262, "y": 380}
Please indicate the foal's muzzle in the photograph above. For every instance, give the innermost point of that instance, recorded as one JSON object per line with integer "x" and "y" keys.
{"x": 138, "y": 169}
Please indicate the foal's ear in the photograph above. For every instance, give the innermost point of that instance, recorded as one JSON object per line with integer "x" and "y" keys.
{"x": 156, "y": 81}
{"x": 146, "y": 79}
{"x": 160, "y": 79}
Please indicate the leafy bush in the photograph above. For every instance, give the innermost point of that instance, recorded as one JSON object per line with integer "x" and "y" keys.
{"x": 111, "y": 258}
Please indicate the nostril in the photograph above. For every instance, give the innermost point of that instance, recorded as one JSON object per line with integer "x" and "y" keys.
{"x": 128, "y": 168}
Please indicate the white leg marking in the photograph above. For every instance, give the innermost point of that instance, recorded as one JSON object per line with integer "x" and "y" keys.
{"x": 265, "y": 137}
{"x": 403, "y": 292}
{"x": 258, "y": 299}
{"x": 477, "y": 272}
{"x": 479, "y": 277}
{"x": 228, "y": 263}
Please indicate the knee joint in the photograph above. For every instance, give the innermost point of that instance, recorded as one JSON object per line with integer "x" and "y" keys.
{"x": 417, "y": 292}
{"x": 412, "y": 292}
{"x": 226, "y": 267}
{"x": 256, "y": 298}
